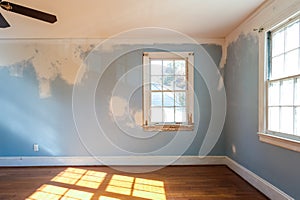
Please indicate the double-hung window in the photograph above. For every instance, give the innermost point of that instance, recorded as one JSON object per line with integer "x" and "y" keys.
{"x": 282, "y": 84}
{"x": 168, "y": 91}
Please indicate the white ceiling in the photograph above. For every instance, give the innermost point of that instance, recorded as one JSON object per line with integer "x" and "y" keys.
{"x": 104, "y": 18}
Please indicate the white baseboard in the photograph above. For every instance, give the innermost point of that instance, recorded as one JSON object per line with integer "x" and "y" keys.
{"x": 115, "y": 160}
{"x": 262, "y": 185}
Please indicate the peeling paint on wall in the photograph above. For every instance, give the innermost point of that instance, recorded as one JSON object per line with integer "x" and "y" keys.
{"x": 242, "y": 143}
{"x": 43, "y": 72}
{"x": 50, "y": 59}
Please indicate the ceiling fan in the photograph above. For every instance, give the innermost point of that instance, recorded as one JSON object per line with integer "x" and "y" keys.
{"x": 29, "y": 12}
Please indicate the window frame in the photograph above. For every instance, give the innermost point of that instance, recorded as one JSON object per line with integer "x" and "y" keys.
{"x": 189, "y": 102}
{"x": 283, "y": 140}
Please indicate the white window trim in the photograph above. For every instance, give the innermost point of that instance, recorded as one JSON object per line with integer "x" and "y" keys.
{"x": 283, "y": 142}
{"x": 190, "y": 94}
{"x": 263, "y": 134}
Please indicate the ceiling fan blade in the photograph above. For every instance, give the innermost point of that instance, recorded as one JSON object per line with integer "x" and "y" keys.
{"x": 28, "y": 12}
{"x": 3, "y": 22}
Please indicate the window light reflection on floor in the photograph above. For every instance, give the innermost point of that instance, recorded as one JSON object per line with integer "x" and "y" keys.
{"x": 80, "y": 177}
{"x": 120, "y": 184}
{"x": 47, "y": 192}
{"x": 89, "y": 180}
{"x": 77, "y": 194}
{"x": 149, "y": 189}
{"x": 137, "y": 187}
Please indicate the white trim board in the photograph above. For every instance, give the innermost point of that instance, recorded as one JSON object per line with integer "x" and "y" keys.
{"x": 290, "y": 144}
{"x": 111, "y": 160}
{"x": 262, "y": 185}
{"x": 259, "y": 183}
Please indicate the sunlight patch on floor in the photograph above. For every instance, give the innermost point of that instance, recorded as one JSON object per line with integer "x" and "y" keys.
{"x": 120, "y": 184}
{"x": 80, "y": 177}
{"x": 149, "y": 189}
{"x": 125, "y": 186}
{"x": 137, "y": 187}
{"x": 51, "y": 192}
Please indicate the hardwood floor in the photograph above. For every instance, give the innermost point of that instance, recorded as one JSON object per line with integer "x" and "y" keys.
{"x": 104, "y": 183}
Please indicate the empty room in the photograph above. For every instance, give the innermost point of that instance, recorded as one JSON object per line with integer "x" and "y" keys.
{"x": 152, "y": 99}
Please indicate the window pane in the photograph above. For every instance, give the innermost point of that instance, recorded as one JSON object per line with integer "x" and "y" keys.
{"x": 273, "y": 123}
{"x": 297, "y": 92}
{"x": 292, "y": 36}
{"x": 180, "y": 98}
{"x": 180, "y": 83}
{"x": 156, "y": 67}
{"x": 156, "y": 82}
{"x": 180, "y": 67}
{"x": 291, "y": 63}
{"x": 169, "y": 99}
{"x": 180, "y": 114}
{"x": 274, "y": 93}
{"x": 168, "y": 83}
{"x": 297, "y": 121}
{"x": 277, "y": 67}
{"x": 278, "y": 43}
{"x": 156, "y": 99}
{"x": 287, "y": 92}
{"x": 284, "y": 95}
{"x": 165, "y": 92}
{"x": 286, "y": 120}
{"x": 168, "y": 67}
{"x": 168, "y": 114}
{"x": 156, "y": 115}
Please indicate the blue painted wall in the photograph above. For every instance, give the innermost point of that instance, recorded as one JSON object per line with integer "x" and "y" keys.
{"x": 26, "y": 118}
{"x": 277, "y": 165}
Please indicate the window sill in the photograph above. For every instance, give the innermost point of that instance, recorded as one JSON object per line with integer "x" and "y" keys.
{"x": 169, "y": 128}
{"x": 290, "y": 144}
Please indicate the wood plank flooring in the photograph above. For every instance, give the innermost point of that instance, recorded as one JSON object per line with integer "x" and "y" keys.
{"x": 104, "y": 183}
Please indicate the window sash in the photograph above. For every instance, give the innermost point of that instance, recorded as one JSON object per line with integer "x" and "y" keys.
{"x": 271, "y": 80}
{"x": 188, "y": 57}
{"x": 163, "y": 91}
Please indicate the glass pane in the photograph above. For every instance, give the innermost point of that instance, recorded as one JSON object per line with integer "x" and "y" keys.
{"x": 180, "y": 98}
{"x": 277, "y": 67}
{"x": 168, "y": 67}
{"x": 292, "y": 37}
{"x": 156, "y": 115}
{"x": 156, "y": 99}
{"x": 169, "y": 99}
{"x": 291, "y": 63}
{"x": 287, "y": 92}
{"x": 273, "y": 116}
{"x": 278, "y": 43}
{"x": 156, "y": 82}
{"x": 180, "y": 83}
{"x": 297, "y": 92}
{"x": 273, "y": 92}
{"x": 180, "y": 114}
{"x": 168, "y": 114}
{"x": 286, "y": 120}
{"x": 180, "y": 67}
{"x": 168, "y": 83}
{"x": 297, "y": 121}
{"x": 156, "y": 67}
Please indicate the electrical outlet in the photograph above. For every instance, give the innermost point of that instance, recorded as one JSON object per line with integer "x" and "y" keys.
{"x": 35, "y": 147}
